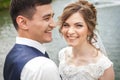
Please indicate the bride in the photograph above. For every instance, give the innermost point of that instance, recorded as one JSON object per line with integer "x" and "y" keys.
{"x": 84, "y": 58}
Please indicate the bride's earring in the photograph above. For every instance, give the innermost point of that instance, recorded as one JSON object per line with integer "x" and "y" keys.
{"x": 88, "y": 37}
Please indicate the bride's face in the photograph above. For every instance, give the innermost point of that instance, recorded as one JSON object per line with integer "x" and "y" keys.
{"x": 75, "y": 30}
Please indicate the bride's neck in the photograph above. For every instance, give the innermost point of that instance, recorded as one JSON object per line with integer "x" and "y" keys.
{"x": 84, "y": 50}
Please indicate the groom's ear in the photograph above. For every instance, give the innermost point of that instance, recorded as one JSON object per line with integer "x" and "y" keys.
{"x": 22, "y": 22}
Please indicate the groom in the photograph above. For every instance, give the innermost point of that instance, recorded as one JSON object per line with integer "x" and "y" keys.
{"x": 28, "y": 60}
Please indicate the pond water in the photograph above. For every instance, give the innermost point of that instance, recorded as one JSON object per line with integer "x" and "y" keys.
{"x": 108, "y": 26}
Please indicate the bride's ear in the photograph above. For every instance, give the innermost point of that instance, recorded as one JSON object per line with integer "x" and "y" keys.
{"x": 89, "y": 33}
{"x": 22, "y": 22}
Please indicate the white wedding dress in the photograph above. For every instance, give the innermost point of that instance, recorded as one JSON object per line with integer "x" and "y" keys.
{"x": 90, "y": 71}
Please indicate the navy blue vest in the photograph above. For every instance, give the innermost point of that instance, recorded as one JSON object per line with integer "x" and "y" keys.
{"x": 16, "y": 59}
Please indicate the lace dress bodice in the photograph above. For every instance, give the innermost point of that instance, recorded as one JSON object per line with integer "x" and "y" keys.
{"x": 90, "y": 71}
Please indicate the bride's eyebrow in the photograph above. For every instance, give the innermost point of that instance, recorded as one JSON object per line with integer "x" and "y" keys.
{"x": 78, "y": 23}
{"x": 65, "y": 23}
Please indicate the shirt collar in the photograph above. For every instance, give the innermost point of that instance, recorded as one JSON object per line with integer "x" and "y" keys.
{"x": 31, "y": 43}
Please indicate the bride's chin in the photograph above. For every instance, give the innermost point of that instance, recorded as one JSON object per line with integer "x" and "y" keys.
{"x": 72, "y": 45}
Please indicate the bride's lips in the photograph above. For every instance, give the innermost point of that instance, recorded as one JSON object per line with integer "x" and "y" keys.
{"x": 72, "y": 37}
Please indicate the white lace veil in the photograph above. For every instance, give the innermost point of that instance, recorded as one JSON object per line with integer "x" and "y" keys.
{"x": 99, "y": 44}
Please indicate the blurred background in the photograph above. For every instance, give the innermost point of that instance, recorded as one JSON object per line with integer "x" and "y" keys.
{"x": 108, "y": 26}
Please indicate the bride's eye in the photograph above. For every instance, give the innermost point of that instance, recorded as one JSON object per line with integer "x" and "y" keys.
{"x": 79, "y": 26}
{"x": 65, "y": 25}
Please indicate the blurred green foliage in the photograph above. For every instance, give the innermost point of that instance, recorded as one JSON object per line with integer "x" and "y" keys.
{"x": 4, "y": 4}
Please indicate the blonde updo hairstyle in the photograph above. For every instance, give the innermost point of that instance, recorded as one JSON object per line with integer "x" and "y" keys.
{"x": 87, "y": 10}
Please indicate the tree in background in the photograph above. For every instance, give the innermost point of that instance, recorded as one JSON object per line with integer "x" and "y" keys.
{"x": 4, "y": 4}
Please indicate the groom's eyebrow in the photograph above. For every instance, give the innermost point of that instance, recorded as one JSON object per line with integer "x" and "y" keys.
{"x": 48, "y": 15}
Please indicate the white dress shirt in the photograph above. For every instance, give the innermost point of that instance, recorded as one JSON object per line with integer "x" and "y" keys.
{"x": 39, "y": 68}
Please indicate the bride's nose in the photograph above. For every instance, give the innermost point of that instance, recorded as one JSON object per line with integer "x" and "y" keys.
{"x": 71, "y": 30}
